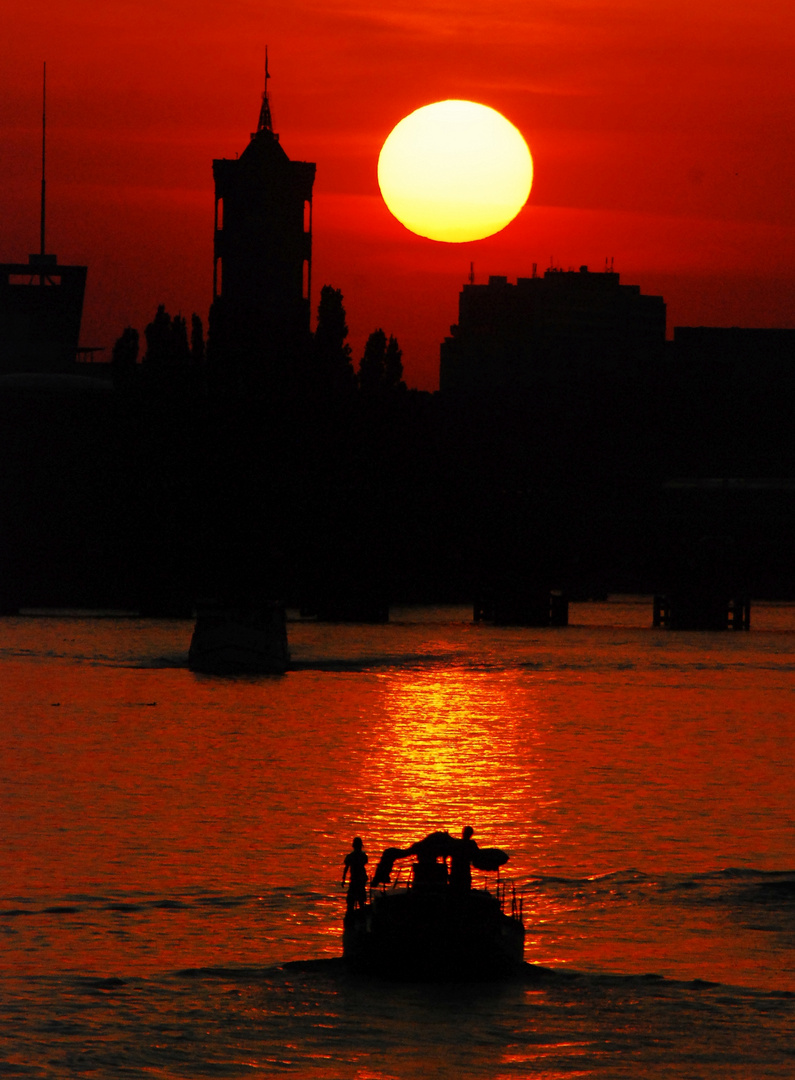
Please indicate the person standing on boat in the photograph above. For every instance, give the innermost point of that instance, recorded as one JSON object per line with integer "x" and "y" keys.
{"x": 461, "y": 861}
{"x": 355, "y": 862}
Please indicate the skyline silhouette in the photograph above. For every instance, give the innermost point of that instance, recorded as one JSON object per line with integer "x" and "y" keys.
{"x": 265, "y": 468}
{"x": 683, "y": 179}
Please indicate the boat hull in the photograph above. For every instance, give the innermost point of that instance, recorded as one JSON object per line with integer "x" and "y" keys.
{"x": 410, "y": 934}
{"x": 232, "y": 641}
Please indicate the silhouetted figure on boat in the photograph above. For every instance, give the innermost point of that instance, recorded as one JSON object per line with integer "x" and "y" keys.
{"x": 430, "y": 870}
{"x": 432, "y": 853}
{"x": 464, "y": 853}
{"x": 430, "y": 926}
{"x": 355, "y": 862}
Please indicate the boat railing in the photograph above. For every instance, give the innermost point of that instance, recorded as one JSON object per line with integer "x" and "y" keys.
{"x": 510, "y": 899}
{"x": 511, "y": 902}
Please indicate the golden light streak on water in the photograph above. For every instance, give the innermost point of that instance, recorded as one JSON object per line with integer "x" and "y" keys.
{"x": 456, "y": 747}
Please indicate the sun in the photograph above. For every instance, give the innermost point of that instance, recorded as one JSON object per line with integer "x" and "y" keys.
{"x": 455, "y": 171}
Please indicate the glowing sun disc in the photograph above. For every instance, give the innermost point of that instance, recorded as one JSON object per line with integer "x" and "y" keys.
{"x": 455, "y": 171}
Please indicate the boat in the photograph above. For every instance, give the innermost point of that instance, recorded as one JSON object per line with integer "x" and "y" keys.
{"x": 237, "y": 639}
{"x": 427, "y": 926}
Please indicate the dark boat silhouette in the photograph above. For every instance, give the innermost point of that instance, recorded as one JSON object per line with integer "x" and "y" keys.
{"x": 424, "y": 927}
{"x": 232, "y": 639}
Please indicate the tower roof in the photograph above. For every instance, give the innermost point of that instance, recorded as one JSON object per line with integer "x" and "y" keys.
{"x": 265, "y": 123}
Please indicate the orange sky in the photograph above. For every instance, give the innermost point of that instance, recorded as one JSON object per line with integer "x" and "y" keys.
{"x": 661, "y": 135}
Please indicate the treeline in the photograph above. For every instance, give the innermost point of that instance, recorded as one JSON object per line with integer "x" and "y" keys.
{"x": 170, "y": 357}
{"x": 321, "y": 480}
{"x": 297, "y": 481}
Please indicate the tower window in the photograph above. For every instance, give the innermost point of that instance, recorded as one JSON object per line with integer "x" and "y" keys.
{"x": 307, "y": 216}
{"x": 219, "y": 214}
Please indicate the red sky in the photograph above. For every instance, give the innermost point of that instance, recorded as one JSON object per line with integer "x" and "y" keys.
{"x": 662, "y": 137}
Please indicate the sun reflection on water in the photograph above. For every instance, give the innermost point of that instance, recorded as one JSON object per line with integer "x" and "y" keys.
{"x": 457, "y": 747}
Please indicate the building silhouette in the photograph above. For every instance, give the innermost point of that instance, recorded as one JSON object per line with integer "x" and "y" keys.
{"x": 728, "y": 397}
{"x": 41, "y": 307}
{"x": 262, "y": 272}
{"x": 41, "y": 303}
{"x": 736, "y": 354}
{"x": 550, "y": 330}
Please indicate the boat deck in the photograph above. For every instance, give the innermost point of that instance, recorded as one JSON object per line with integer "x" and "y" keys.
{"x": 436, "y": 933}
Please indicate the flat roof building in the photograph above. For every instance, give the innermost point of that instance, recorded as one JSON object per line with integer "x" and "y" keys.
{"x": 549, "y": 330}
{"x": 749, "y": 351}
{"x": 41, "y": 302}
{"x": 41, "y": 307}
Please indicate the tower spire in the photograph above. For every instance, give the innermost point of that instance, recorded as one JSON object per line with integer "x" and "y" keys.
{"x": 265, "y": 118}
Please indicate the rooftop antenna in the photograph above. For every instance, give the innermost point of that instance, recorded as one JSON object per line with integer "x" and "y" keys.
{"x": 42, "y": 259}
{"x": 43, "y": 153}
{"x": 471, "y": 273}
{"x": 265, "y": 118}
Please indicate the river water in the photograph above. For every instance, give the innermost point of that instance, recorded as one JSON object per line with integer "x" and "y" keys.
{"x": 171, "y": 846}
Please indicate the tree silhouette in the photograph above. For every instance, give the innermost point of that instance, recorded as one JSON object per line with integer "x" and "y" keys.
{"x": 381, "y": 366}
{"x": 393, "y": 365}
{"x": 332, "y": 354}
{"x": 166, "y": 342}
{"x": 196, "y": 340}
{"x": 179, "y": 341}
{"x": 158, "y": 339}
{"x": 371, "y": 365}
{"x": 125, "y": 357}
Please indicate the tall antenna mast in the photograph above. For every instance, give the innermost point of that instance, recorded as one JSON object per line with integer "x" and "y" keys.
{"x": 43, "y": 153}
